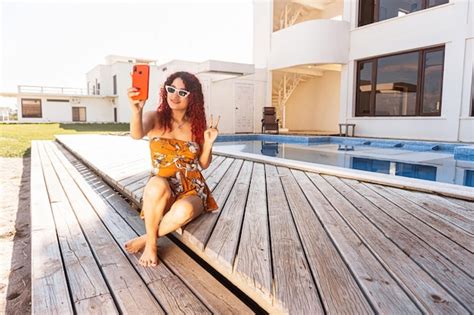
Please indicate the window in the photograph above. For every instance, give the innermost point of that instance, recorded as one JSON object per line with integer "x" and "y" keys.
{"x": 31, "y": 108}
{"x": 406, "y": 84}
{"x": 57, "y": 100}
{"x": 472, "y": 90}
{"x": 98, "y": 88}
{"x": 78, "y": 114}
{"x": 115, "y": 84}
{"x": 371, "y": 11}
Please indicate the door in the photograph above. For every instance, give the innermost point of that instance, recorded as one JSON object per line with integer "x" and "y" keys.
{"x": 243, "y": 106}
{"x": 79, "y": 114}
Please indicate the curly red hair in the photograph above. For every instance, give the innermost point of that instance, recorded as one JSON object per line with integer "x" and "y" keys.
{"x": 195, "y": 111}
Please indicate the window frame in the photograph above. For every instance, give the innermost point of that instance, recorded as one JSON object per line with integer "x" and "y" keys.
{"x": 85, "y": 113}
{"x": 375, "y": 12}
{"x": 40, "y": 107}
{"x": 419, "y": 83}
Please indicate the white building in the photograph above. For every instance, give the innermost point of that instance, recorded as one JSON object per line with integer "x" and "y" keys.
{"x": 395, "y": 68}
{"x": 234, "y": 91}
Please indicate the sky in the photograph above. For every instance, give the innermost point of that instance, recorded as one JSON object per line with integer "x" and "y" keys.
{"x": 56, "y": 43}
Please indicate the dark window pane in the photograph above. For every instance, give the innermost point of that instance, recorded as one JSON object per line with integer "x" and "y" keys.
{"x": 472, "y": 91}
{"x": 31, "y": 108}
{"x": 416, "y": 171}
{"x": 115, "y": 84}
{"x": 78, "y": 114}
{"x": 392, "y": 8}
{"x": 433, "y": 3}
{"x": 397, "y": 85}
{"x": 433, "y": 71}
{"x": 365, "y": 88}
{"x": 366, "y": 12}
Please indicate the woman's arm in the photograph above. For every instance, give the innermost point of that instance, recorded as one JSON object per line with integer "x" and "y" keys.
{"x": 210, "y": 136}
{"x": 206, "y": 155}
{"x": 140, "y": 124}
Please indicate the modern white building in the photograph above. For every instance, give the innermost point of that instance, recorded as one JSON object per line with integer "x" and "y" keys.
{"x": 234, "y": 91}
{"x": 394, "y": 68}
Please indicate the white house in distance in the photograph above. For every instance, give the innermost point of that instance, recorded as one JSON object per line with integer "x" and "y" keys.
{"x": 394, "y": 68}
{"x": 234, "y": 91}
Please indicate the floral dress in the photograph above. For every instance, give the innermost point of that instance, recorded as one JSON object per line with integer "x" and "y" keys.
{"x": 177, "y": 160}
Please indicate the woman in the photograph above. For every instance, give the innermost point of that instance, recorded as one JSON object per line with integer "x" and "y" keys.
{"x": 179, "y": 141}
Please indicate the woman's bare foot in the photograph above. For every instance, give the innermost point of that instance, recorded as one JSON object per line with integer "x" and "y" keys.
{"x": 149, "y": 257}
{"x": 135, "y": 245}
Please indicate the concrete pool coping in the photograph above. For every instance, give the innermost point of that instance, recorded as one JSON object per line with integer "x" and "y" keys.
{"x": 445, "y": 189}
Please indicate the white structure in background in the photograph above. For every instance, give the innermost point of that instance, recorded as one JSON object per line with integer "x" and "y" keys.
{"x": 395, "y": 68}
{"x": 233, "y": 90}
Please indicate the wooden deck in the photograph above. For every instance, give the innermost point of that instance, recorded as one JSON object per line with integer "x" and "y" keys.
{"x": 309, "y": 243}
{"x": 78, "y": 263}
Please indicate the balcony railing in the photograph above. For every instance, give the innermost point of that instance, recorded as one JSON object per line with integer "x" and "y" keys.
{"x": 55, "y": 90}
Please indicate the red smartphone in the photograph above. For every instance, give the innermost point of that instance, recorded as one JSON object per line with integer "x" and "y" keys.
{"x": 140, "y": 78}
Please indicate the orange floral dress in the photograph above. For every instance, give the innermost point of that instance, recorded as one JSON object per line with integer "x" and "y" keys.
{"x": 177, "y": 161}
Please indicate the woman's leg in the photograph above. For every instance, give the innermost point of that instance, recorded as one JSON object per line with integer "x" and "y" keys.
{"x": 182, "y": 212}
{"x": 156, "y": 196}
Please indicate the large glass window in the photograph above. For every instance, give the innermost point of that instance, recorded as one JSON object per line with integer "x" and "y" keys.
{"x": 365, "y": 87}
{"x": 407, "y": 84}
{"x": 31, "y": 108}
{"x": 371, "y": 11}
{"x": 396, "y": 87}
{"x": 432, "y": 82}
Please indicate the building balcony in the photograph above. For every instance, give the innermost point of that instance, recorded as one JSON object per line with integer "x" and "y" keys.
{"x": 310, "y": 42}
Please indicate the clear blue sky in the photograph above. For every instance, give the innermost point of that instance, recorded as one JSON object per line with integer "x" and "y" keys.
{"x": 56, "y": 43}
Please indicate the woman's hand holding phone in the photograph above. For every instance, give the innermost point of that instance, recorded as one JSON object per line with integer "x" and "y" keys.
{"x": 136, "y": 105}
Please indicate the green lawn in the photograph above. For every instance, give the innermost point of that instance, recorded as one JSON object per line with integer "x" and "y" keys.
{"x": 15, "y": 139}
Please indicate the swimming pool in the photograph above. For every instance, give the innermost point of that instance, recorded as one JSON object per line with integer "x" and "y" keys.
{"x": 431, "y": 161}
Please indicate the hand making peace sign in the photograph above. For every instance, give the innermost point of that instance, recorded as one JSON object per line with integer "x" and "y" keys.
{"x": 210, "y": 134}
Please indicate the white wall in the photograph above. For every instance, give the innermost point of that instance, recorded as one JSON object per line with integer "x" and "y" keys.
{"x": 314, "y": 105}
{"x": 97, "y": 109}
{"x": 448, "y": 24}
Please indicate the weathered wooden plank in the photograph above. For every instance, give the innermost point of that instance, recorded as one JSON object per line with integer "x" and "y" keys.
{"x": 461, "y": 237}
{"x": 445, "y": 246}
{"x": 382, "y": 290}
{"x": 421, "y": 286}
{"x": 217, "y": 297}
{"x": 450, "y": 212}
{"x": 222, "y": 243}
{"x": 132, "y": 179}
{"x": 337, "y": 287}
{"x": 172, "y": 293}
{"x": 216, "y": 162}
{"x": 294, "y": 288}
{"x": 50, "y": 294}
{"x": 83, "y": 275}
{"x": 459, "y": 284}
{"x": 215, "y": 177}
{"x": 129, "y": 290}
{"x": 198, "y": 231}
{"x": 467, "y": 205}
{"x": 253, "y": 263}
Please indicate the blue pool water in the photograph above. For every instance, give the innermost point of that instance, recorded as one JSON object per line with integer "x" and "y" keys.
{"x": 421, "y": 160}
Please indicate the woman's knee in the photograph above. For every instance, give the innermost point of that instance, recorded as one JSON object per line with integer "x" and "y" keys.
{"x": 157, "y": 188}
{"x": 183, "y": 212}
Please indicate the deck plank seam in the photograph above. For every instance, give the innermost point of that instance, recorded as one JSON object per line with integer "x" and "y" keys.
{"x": 63, "y": 265}
{"x": 428, "y": 272}
{"x": 343, "y": 258}
{"x": 394, "y": 275}
{"x": 384, "y": 188}
{"x": 147, "y": 284}
{"x": 419, "y": 237}
{"x": 237, "y": 245}
{"x": 223, "y": 204}
{"x": 113, "y": 295}
{"x": 369, "y": 249}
